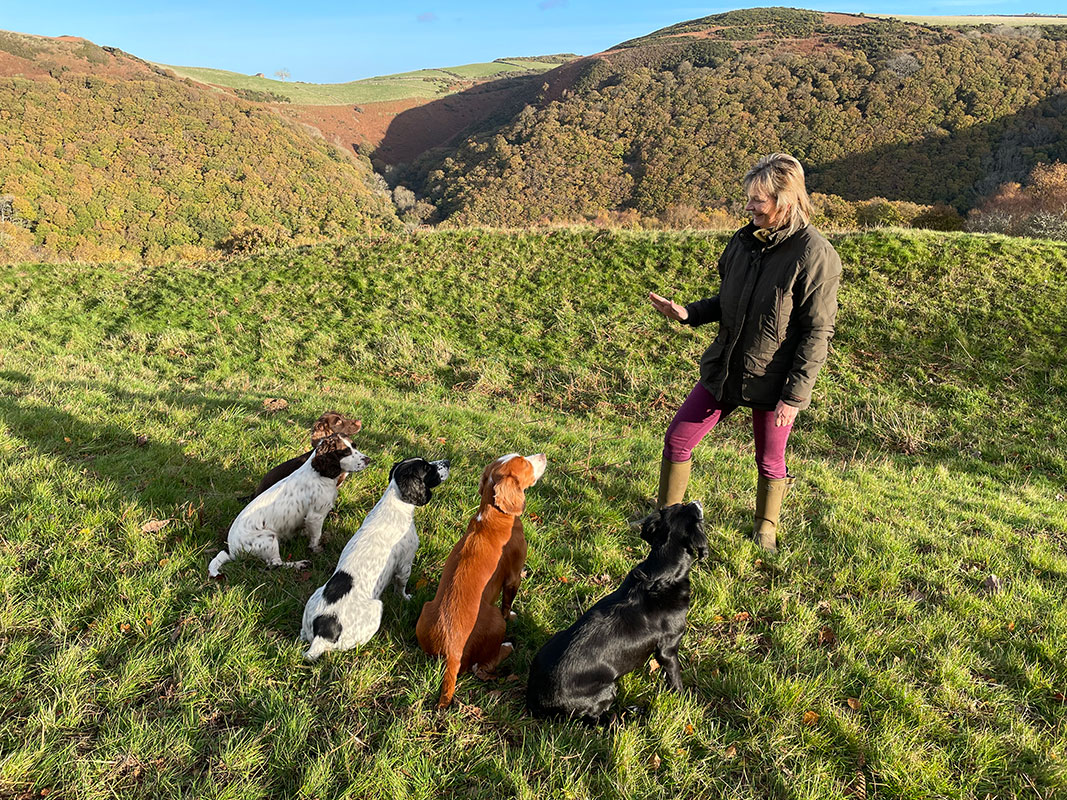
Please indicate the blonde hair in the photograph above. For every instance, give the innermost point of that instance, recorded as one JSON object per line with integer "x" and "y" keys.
{"x": 781, "y": 176}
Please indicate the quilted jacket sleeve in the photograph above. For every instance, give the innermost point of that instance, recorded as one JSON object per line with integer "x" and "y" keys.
{"x": 815, "y": 311}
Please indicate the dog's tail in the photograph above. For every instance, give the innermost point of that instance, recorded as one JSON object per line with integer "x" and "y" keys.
{"x": 217, "y": 562}
{"x": 448, "y": 682}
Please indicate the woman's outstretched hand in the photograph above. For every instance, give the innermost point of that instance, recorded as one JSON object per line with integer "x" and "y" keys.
{"x": 668, "y": 308}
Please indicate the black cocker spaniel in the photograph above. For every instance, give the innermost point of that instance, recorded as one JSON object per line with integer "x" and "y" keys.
{"x": 574, "y": 674}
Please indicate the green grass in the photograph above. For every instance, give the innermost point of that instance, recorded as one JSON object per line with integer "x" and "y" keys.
{"x": 978, "y": 19}
{"x": 933, "y": 456}
{"x": 424, "y": 83}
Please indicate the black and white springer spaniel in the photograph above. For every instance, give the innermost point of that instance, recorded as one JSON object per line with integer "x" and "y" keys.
{"x": 304, "y": 498}
{"x": 346, "y": 612}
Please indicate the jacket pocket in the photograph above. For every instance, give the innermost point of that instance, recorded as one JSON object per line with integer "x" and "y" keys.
{"x": 755, "y": 365}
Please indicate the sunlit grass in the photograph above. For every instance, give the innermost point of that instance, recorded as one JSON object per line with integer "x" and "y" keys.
{"x": 932, "y": 459}
{"x": 424, "y": 83}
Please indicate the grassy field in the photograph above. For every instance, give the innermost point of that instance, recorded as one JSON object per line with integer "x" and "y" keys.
{"x": 871, "y": 655}
{"x": 978, "y": 19}
{"x": 420, "y": 83}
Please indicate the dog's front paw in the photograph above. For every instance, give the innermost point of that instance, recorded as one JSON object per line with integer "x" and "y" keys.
{"x": 405, "y": 596}
{"x": 315, "y": 548}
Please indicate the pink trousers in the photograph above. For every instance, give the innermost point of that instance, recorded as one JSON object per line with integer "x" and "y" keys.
{"x": 701, "y": 412}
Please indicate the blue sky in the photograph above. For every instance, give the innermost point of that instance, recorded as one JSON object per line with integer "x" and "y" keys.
{"x": 350, "y": 39}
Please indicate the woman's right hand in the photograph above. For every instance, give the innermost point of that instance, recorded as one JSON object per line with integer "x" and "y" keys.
{"x": 668, "y": 308}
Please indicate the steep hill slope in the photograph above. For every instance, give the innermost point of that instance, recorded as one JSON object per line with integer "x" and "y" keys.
{"x": 872, "y": 107}
{"x": 364, "y": 114}
{"x": 104, "y": 156}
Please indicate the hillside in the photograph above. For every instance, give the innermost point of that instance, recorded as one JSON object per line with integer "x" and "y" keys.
{"x": 104, "y": 156}
{"x": 388, "y": 114}
{"x": 873, "y": 107}
{"x": 873, "y": 655}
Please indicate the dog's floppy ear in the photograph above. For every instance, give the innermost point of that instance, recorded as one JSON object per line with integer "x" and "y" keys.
{"x": 410, "y": 477}
{"x": 696, "y": 543}
{"x": 328, "y": 454}
{"x": 508, "y": 495}
{"x": 323, "y": 427}
{"x": 651, "y": 529}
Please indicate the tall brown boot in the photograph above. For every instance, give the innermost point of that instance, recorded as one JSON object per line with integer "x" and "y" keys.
{"x": 769, "y": 495}
{"x": 673, "y": 479}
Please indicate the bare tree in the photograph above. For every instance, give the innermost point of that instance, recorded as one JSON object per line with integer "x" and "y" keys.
{"x": 282, "y": 74}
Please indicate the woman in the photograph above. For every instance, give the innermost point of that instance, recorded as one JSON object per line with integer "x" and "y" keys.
{"x": 776, "y": 307}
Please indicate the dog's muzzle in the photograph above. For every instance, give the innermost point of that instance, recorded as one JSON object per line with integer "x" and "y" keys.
{"x": 442, "y": 468}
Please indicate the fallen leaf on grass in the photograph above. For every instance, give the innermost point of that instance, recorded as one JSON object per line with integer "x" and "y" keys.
{"x": 1011, "y": 627}
{"x": 154, "y": 526}
{"x": 653, "y": 665}
{"x": 854, "y": 704}
{"x": 473, "y": 711}
{"x": 916, "y": 596}
{"x": 66, "y": 439}
{"x": 810, "y": 718}
{"x": 273, "y": 404}
{"x": 731, "y": 751}
{"x": 827, "y": 637}
{"x": 689, "y": 729}
{"x": 992, "y": 584}
{"x": 564, "y": 579}
{"x": 654, "y": 762}
{"x": 857, "y": 789}
{"x": 511, "y": 678}
{"x": 743, "y": 616}
{"x": 421, "y": 583}
{"x": 124, "y": 627}
{"x": 601, "y": 580}
{"x": 1060, "y": 696}
{"x": 141, "y": 440}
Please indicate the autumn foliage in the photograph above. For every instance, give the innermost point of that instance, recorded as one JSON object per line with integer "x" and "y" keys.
{"x": 881, "y": 109}
{"x": 154, "y": 169}
{"x": 1037, "y": 209}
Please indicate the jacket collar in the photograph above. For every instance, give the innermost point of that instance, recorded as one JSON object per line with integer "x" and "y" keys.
{"x": 774, "y": 238}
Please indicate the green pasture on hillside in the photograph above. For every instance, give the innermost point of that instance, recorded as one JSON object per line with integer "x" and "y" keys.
{"x": 419, "y": 83}
{"x": 874, "y": 656}
{"x": 978, "y": 19}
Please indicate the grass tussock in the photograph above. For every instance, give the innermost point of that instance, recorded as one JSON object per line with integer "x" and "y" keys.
{"x": 874, "y": 653}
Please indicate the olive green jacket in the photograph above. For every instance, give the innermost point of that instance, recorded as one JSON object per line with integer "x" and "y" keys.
{"x": 776, "y": 308}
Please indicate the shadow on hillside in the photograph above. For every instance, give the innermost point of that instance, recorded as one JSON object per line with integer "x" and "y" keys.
{"x": 958, "y": 169}
{"x": 143, "y": 467}
{"x": 916, "y": 170}
{"x": 439, "y": 122}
